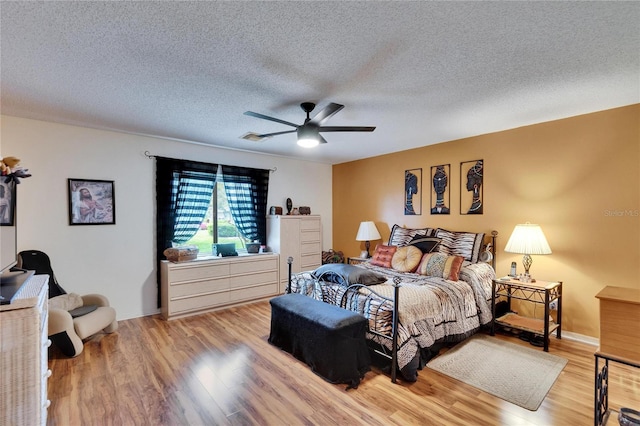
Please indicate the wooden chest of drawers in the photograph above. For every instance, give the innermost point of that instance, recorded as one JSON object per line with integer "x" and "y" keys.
{"x": 198, "y": 286}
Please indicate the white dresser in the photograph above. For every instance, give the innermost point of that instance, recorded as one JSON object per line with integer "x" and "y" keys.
{"x": 296, "y": 236}
{"x": 202, "y": 285}
{"x": 24, "y": 355}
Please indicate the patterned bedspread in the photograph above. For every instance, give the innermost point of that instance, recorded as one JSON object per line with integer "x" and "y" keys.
{"x": 431, "y": 310}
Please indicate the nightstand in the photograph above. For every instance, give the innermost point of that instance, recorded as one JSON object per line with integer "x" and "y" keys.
{"x": 541, "y": 292}
{"x": 356, "y": 260}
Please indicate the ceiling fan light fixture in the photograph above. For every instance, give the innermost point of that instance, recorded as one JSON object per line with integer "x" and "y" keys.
{"x": 308, "y": 137}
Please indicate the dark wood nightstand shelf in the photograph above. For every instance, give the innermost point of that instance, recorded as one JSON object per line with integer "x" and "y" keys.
{"x": 356, "y": 260}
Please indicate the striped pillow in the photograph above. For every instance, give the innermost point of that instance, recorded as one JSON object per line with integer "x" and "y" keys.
{"x": 383, "y": 255}
{"x": 465, "y": 244}
{"x": 402, "y": 236}
{"x": 440, "y": 265}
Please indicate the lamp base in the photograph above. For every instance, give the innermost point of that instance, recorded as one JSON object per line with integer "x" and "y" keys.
{"x": 364, "y": 254}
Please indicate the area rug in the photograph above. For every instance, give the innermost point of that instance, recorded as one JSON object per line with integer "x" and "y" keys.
{"x": 515, "y": 373}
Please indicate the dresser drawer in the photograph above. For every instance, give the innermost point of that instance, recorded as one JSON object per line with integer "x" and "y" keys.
{"x": 310, "y": 261}
{"x": 310, "y": 248}
{"x": 253, "y": 266}
{"x": 309, "y": 225}
{"x": 196, "y": 303}
{"x": 253, "y": 279}
{"x": 310, "y": 236}
{"x": 198, "y": 272}
{"x": 193, "y": 288}
{"x": 254, "y": 292}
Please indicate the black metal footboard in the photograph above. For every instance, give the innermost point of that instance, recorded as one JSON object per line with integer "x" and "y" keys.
{"x": 368, "y": 297}
{"x": 373, "y": 306}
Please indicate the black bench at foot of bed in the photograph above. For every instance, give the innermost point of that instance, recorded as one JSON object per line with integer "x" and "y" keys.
{"x": 329, "y": 339}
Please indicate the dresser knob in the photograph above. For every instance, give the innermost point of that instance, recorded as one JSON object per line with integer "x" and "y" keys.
{"x": 47, "y": 404}
{"x": 48, "y": 343}
{"x": 48, "y": 374}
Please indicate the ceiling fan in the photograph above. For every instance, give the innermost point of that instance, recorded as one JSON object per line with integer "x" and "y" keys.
{"x": 309, "y": 132}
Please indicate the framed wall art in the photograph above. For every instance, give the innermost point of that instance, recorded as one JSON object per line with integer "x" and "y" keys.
{"x": 440, "y": 194}
{"x": 91, "y": 202}
{"x": 413, "y": 192}
{"x": 7, "y": 202}
{"x": 471, "y": 175}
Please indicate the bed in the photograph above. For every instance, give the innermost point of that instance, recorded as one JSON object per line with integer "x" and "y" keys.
{"x": 425, "y": 288}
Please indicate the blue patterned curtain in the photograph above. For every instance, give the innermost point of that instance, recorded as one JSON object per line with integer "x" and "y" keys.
{"x": 183, "y": 192}
{"x": 246, "y": 191}
{"x": 193, "y": 192}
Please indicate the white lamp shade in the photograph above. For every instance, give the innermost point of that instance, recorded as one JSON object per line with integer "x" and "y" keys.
{"x": 368, "y": 232}
{"x": 527, "y": 238}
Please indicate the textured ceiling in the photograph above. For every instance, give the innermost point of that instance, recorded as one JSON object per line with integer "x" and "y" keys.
{"x": 422, "y": 72}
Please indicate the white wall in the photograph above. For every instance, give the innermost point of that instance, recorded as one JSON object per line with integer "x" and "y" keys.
{"x": 119, "y": 260}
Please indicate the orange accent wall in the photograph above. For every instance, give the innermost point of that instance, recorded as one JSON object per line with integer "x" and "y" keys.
{"x": 579, "y": 178}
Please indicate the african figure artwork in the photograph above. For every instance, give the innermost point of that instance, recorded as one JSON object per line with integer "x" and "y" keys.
{"x": 412, "y": 182}
{"x": 440, "y": 178}
{"x": 474, "y": 176}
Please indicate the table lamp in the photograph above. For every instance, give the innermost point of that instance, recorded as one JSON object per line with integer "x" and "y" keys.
{"x": 367, "y": 232}
{"x": 527, "y": 239}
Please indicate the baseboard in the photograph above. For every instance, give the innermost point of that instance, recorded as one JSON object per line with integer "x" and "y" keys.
{"x": 580, "y": 338}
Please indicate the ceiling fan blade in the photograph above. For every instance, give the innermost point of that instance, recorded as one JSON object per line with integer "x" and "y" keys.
{"x": 346, "y": 129}
{"x": 266, "y": 117}
{"x": 326, "y": 113}
{"x": 321, "y": 139}
{"x": 268, "y": 135}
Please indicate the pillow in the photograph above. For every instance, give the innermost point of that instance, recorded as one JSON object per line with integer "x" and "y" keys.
{"x": 465, "y": 244}
{"x": 425, "y": 244}
{"x": 406, "y": 259}
{"x": 333, "y": 272}
{"x": 66, "y": 302}
{"x": 383, "y": 255}
{"x": 401, "y": 236}
{"x": 440, "y": 265}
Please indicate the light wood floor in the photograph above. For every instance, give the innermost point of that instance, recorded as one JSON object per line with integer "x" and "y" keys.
{"x": 219, "y": 369}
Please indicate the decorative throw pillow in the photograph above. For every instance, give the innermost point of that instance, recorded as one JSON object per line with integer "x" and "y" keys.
{"x": 383, "y": 255}
{"x": 440, "y": 265}
{"x": 66, "y": 302}
{"x": 401, "y": 236}
{"x": 425, "y": 244}
{"x": 406, "y": 259}
{"x": 465, "y": 244}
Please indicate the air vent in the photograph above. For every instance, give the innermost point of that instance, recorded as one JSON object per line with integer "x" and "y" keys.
{"x": 254, "y": 137}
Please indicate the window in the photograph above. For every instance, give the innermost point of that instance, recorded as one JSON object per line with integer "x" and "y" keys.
{"x": 184, "y": 191}
{"x": 218, "y": 225}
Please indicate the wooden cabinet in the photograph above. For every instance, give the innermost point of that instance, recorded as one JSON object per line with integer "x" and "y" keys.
{"x": 24, "y": 356}
{"x": 619, "y": 322}
{"x": 619, "y": 341}
{"x": 296, "y": 236}
{"x": 202, "y": 285}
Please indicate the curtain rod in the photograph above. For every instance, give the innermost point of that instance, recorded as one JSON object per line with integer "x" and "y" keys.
{"x": 150, "y": 156}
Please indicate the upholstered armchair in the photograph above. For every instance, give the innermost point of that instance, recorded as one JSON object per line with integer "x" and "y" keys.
{"x": 72, "y": 318}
